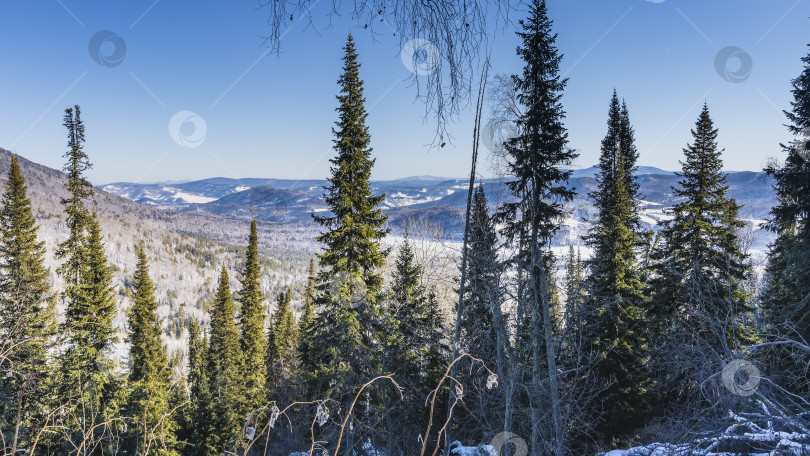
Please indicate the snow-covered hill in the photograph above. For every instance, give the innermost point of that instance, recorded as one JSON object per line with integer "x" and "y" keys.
{"x": 186, "y": 250}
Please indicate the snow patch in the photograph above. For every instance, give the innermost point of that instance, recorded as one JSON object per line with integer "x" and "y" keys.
{"x": 194, "y": 199}
{"x": 481, "y": 450}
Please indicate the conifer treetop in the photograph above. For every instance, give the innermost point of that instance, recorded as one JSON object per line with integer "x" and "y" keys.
{"x": 355, "y": 228}
{"x": 147, "y": 352}
{"x": 539, "y": 154}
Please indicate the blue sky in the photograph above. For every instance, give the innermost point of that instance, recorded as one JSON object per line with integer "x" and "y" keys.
{"x": 271, "y": 116}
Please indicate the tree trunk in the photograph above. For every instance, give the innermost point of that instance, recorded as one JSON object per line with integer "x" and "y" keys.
{"x": 457, "y": 338}
{"x": 538, "y": 280}
{"x": 537, "y": 373}
{"x": 559, "y": 448}
{"x": 503, "y": 357}
{"x": 17, "y": 421}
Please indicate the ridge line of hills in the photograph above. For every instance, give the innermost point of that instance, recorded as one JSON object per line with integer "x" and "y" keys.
{"x": 435, "y": 200}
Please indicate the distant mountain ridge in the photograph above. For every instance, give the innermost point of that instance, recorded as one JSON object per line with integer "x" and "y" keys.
{"x": 435, "y": 199}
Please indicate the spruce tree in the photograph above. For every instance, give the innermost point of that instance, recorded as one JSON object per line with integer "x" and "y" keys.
{"x": 224, "y": 370}
{"x": 253, "y": 339}
{"x": 482, "y": 295}
{"x": 627, "y": 144}
{"x": 415, "y": 350}
{"x": 27, "y": 315}
{"x": 282, "y": 341}
{"x": 355, "y": 226}
{"x": 306, "y": 323}
{"x": 79, "y": 189}
{"x": 607, "y": 158}
{"x": 87, "y": 384}
{"x": 620, "y": 137}
{"x": 574, "y": 287}
{"x": 615, "y": 319}
{"x": 537, "y": 157}
{"x": 91, "y": 324}
{"x": 86, "y": 378}
{"x": 701, "y": 268}
{"x": 308, "y": 313}
{"x": 199, "y": 430}
{"x": 337, "y": 354}
{"x": 787, "y": 295}
{"x": 149, "y": 374}
{"x": 74, "y": 249}
{"x": 481, "y": 324}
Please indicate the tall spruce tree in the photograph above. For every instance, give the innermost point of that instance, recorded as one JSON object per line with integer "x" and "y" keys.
{"x": 79, "y": 189}
{"x": 74, "y": 249}
{"x": 355, "y": 228}
{"x": 27, "y": 315}
{"x": 86, "y": 378}
{"x": 537, "y": 156}
{"x": 253, "y": 339}
{"x": 615, "y": 319}
{"x": 224, "y": 371}
{"x": 613, "y": 312}
{"x": 88, "y": 386}
{"x": 482, "y": 295}
{"x": 149, "y": 374}
{"x": 481, "y": 325}
{"x": 338, "y": 350}
{"x": 787, "y": 295}
{"x": 700, "y": 268}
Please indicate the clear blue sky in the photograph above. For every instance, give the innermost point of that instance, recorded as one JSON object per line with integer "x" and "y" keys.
{"x": 276, "y": 119}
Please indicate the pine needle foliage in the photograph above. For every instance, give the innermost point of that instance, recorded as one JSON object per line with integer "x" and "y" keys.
{"x": 27, "y": 315}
